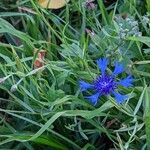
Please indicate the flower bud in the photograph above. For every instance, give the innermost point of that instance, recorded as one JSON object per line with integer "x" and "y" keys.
{"x": 2, "y": 80}
{"x": 14, "y": 88}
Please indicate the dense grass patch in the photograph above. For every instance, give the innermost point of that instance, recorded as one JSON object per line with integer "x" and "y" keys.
{"x": 45, "y": 54}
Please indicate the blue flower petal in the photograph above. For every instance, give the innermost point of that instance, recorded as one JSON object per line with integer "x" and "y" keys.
{"x": 102, "y": 63}
{"x": 120, "y": 98}
{"x": 127, "y": 81}
{"x": 84, "y": 86}
{"x": 93, "y": 99}
{"x": 119, "y": 68}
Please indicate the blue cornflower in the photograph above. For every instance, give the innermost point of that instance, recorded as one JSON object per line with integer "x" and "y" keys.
{"x": 106, "y": 84}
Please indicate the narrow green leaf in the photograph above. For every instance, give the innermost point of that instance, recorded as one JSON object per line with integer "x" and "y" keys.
{"x": 103, "y": 11}
{"x": 47, "y": 125}
{"x": 147, "y": 115}
{"x": 139, "y": 101}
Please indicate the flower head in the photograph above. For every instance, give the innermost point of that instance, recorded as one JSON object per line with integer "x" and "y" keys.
{"x": 90, "y": 5}
{"x": 107, "y": 84}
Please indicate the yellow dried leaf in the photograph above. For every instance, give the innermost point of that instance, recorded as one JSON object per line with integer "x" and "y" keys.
{"x": 52, "y": 4}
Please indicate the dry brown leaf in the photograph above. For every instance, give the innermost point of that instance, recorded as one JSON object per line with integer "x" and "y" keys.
{"x": 39, "y": 61}
{"x": 52, "y": 4}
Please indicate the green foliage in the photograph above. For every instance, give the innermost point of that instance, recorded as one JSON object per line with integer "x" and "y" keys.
{"x": 148, "y": 5}
{"x": 42, "y": 107}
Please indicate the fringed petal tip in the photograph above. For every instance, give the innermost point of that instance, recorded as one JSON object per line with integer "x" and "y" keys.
{"x": 119, "y": 68}
{"x": 93, "y": 98}
{"x": 120, "y": 98}
{"x": 102, "y": 64}
{"x": 127, "y": 82}
{"x": 84, "y": 85}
